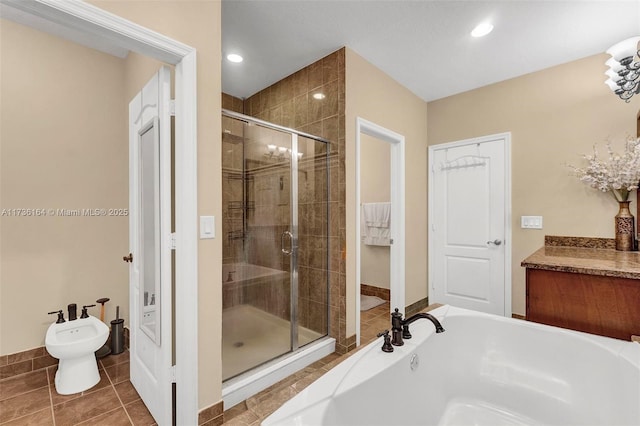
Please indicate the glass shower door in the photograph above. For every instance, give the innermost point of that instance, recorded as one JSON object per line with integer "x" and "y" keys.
{"x": 257, "y": 279}
{"x": 275, "y": 224}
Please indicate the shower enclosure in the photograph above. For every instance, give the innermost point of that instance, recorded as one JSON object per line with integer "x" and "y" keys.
{"x": 275, "y": 185}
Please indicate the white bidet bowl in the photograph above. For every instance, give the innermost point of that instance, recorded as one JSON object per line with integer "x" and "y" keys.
{"x": 74, "y": 343}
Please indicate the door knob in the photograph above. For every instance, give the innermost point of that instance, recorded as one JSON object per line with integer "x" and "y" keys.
{"x": 495, "y": 242}
{"x": 128, "y": 258}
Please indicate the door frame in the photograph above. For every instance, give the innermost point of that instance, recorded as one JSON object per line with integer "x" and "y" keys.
{"x": 508, "y": 242}
{"x": 397, "y": 225}
{"x": 86, "y": 18}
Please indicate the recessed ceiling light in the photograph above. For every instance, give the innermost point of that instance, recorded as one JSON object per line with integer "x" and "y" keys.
{"x": 234, "y": 57}
{"x": 482, "y": 30}
{"x": 318, "y": 96}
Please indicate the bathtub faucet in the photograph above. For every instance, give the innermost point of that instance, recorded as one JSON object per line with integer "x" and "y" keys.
{"x": 400, "y": 327}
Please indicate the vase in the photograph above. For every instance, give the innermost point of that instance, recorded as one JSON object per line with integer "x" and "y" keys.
{"x": 625, "y": 232}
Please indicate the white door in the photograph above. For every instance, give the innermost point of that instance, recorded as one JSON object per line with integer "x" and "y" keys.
{"x": 469, "y": 230}
{"x": 149, "y": 241}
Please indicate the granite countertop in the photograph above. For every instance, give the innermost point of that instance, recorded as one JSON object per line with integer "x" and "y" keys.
{"x": 592, "y": 256}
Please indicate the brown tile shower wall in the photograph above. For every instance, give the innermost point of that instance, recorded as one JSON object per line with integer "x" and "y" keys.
{"x": 232, "y": 103}
{"x": 290, "y": 103}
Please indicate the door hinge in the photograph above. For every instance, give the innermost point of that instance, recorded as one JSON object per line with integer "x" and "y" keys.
{"x": 172, "y": 241}
{"x": 172, "y": 107}
{"x": 172, "y": 373}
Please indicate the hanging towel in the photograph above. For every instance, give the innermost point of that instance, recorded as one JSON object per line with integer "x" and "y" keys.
{"x": 374, "y": 224}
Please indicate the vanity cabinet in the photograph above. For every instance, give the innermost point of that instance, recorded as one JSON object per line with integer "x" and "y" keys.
{"x": 595, "y": 290}
{"x": 601, "y": 305}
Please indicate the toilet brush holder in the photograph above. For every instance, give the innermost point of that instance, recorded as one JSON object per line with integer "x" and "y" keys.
{"x": 117, "y": 333}
{"x": 117, "y": 336}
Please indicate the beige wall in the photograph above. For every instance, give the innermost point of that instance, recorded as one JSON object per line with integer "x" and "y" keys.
{"x": 197, "y": 24}
{"x": 63, "y": 146}
{"x": 374, "y": 96}
{"x": 375, "y": 183}
{"x": 554, "y": 117}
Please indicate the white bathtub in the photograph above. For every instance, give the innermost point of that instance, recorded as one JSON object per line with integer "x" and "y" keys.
{"x": 483, "y": 370}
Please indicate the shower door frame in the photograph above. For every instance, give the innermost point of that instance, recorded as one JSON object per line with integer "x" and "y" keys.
{"x": 293, "y": 170}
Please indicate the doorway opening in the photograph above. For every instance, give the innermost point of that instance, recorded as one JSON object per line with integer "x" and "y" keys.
{"x": 380, "y": 221}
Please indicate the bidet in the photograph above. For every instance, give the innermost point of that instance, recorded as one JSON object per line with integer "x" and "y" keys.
{"x": 74, "y": 344}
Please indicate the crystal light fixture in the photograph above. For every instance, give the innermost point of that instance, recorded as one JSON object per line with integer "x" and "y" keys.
{"x": 624, "y": 68}
{"x": 279, "y": 152}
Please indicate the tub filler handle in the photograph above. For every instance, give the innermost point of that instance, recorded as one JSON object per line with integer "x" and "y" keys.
{"x": 386, "y": 346}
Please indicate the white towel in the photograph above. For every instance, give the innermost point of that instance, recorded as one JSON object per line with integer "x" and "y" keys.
{"x": 375, "y": 220}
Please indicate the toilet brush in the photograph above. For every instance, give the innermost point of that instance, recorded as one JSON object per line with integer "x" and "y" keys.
{"x": 105, "y": 349}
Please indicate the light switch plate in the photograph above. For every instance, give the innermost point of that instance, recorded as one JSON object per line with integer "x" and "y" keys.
{"x": 207, "y": 227}
{"x": 531, "y": 222}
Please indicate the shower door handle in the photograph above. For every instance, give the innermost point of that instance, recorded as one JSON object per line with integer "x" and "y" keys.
{"x": 284, "y": 250}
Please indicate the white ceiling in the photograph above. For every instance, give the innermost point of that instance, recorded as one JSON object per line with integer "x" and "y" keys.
{"x": 424, "y": 45}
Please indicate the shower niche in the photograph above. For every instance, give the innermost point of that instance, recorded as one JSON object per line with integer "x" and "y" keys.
{"x": 275, "y": 242}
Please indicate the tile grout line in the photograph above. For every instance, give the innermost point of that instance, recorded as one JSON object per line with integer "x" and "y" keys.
{"x": 53, "y": 414}
{"x": 117, "y": 394}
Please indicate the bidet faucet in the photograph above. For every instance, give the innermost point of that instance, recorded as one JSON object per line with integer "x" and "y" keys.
{"x": 60, "y": 316}
{"x": 73, "y": 311}
{"x": 400, "y": 327}
{"x": 85, "y": 314}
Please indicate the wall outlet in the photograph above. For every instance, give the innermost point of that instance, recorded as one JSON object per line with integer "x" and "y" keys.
{"x": 531, "y": 222}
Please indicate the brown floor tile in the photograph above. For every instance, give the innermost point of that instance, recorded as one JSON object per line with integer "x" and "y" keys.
{"x": 117, "y": 417}
{"x": 110, "y": 360}
{"x": 86, "y": 407}
{"x": 214, "y": 422}
{"x": 243, "y": 419}
{"x": 235, "y": 411}
{"x": 127, "y": 392}
{"x": 59, "y": 399}
{"x": 39, "y": 418}
{"x": 307, "y": 380}
{"x": 268, "y": 406}
{"x": 329, "y": 358}
{"x": 16, "y": 385}
{"x": 26, "y": 403}
{"x": 118, "y": 372}
{"x": 139, "y": 414}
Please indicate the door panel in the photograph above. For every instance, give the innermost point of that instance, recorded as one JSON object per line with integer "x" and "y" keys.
{"x": 149, "y": 234}
{"x": 468, "y": 215}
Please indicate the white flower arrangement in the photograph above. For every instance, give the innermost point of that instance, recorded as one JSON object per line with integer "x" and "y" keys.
{"x": 619, "y": 175}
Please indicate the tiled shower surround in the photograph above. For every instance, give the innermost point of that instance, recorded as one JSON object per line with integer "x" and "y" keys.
{"x": 290, "y": 103}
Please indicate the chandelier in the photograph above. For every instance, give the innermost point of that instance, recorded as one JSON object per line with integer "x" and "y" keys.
{"x": 624, "y": 68}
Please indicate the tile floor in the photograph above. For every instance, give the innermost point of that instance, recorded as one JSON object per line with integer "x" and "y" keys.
{"x": 31, "y": 399}
{"x": 255, "y": 409}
